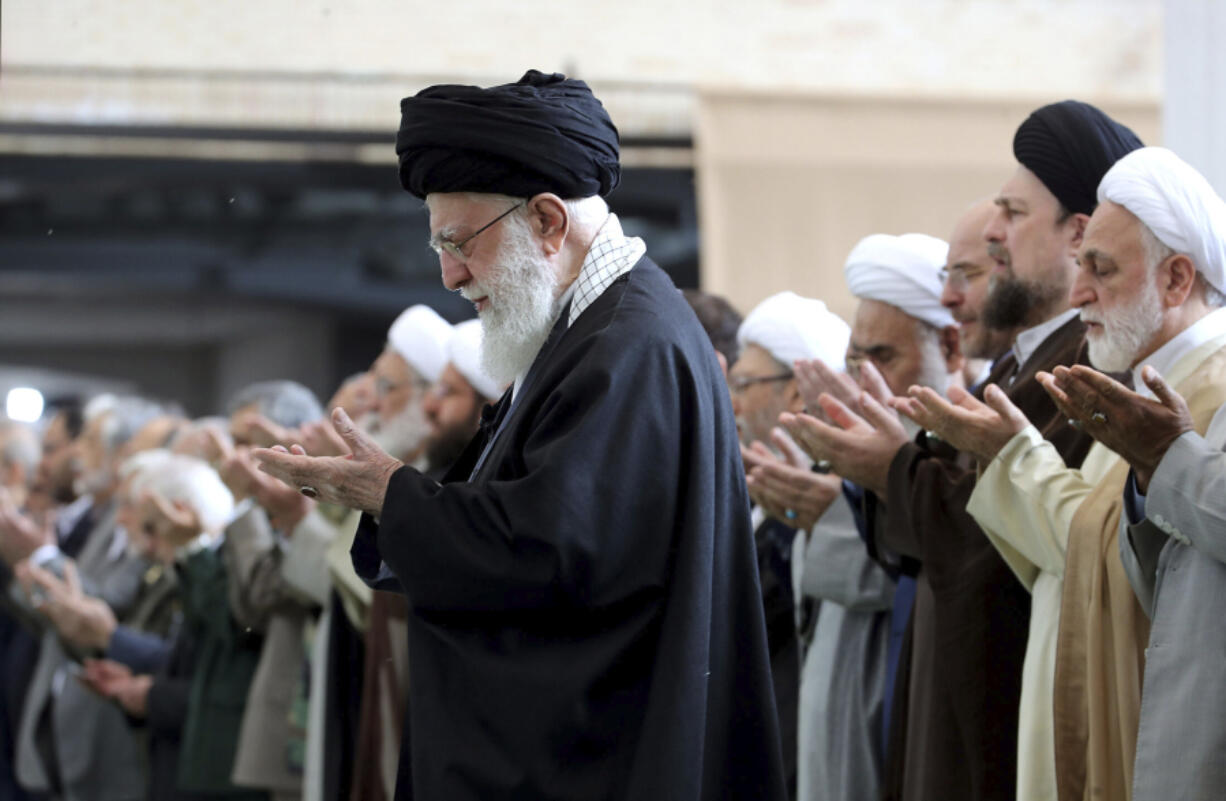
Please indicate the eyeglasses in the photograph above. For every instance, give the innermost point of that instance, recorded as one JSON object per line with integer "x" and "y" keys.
{"x": 456, "y": 249}
{"x": 743, "y": 383}
{"x": 958, "y": 278}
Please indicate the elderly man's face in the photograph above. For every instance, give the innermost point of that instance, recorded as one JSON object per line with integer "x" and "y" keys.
{"x": 1117, "y": 290}
{"x": 965, "y": 290}
{"x": 453, "y": 409}
{"x": 396, "y": 384}
{"x": 506, "y": 273}
{"x": 888, "y": 337}
{"x": 762, "y": 389}
{"x": 356, "y": 396}
{"x": 1032, "y": 250}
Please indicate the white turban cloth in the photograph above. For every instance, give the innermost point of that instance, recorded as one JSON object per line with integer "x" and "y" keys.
{"x": 790, "y": 327}
{"x": 464, "y": 351}
{"x": 1176, "y": 203}
{"x": 903, "y": 271}
{"x": 420, "y": 336}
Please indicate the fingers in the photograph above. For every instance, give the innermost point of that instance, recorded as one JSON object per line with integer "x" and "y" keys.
{"x": 879, "y": 416}
{"x": 72, "y": 579}
{"x": 838, "y": 384}
{"x": 1000, "y": 403}
{"x": 1162, "y": 390}
{"x": 354, "y": 438}
{"x": 874, "y": 383}
{"x": 838, "y": 412}
{"x": 792, "y": 454}
{"x": 911, "y": 408}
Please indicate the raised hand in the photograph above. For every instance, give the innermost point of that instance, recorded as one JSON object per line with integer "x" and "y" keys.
{"x": 814, "y": 378}
{"x": 858, "y": 448}
{"x": 358, "y": 480}
{"x": 788, "y": 491}
{"x": 20, "y": 536}
{"x": 980, "y": 429}
{"x": 1138, "y": 428}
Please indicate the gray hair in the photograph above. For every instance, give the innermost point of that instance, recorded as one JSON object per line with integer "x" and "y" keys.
{"x": 1157, "y": 251}
{"x": 185, "y": 479}
{"x": 122, "y": 416}
{"x": 21, "y": 447}
{"x": 286, "y": 403}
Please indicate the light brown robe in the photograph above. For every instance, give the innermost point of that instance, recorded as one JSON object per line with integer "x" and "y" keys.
{"x": 1100, "y": 652}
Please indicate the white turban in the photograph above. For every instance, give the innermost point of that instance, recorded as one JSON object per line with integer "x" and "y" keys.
{"x": 420, "y": 336}
{"x": 790, "y": 327}
{"x": 1176, "y": 203}
{"x": 903, "y": 271}
{"x": 464, "y": 351}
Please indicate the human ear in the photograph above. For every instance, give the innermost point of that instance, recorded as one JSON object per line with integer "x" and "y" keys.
{"x": 1177, "y": 276}
{"x": 549, "y": 220}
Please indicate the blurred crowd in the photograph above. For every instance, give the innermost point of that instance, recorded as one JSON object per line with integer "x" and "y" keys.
{"x": 177, "y": 623}
{"x": 983, "y": 574}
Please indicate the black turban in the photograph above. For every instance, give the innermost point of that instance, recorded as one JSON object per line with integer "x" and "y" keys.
{"x": 1070, "y": 146}
{"x": 543, "y": 133}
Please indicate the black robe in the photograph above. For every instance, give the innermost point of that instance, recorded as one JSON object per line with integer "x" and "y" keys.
{"x": 586, "y": 616}
{"x": 954, "y": 726}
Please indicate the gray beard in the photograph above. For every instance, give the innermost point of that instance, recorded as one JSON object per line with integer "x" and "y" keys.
{"x": 523, "y": 305}
{"x": 403, "y": 435}
{"x": 1126, "y": 332}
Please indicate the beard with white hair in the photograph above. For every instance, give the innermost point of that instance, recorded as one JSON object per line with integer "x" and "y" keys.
{"x": 1126, "y": 331}
{"x": 401, "y": 436}
{"x": 524, "y": 301}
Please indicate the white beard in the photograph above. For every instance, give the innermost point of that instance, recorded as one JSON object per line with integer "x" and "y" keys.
{"x": 403, "y": 435}
{"x": 523, "y": 304}
{"x": 1125, "y": 332}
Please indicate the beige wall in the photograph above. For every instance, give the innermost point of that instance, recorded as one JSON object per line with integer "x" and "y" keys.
{"x": 788, "y": 183}
{"x": 346, "y": 63}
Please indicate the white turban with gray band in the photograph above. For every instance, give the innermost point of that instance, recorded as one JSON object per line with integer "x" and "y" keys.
{"x": 903, "y": 271}
{"x": 1175, "y": 202}
{"x": 790, "y": 327}
{"x": 420, "y": 336}
{"x": 464, "y": 351}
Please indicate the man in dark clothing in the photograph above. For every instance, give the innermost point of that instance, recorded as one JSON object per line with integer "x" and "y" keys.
{"x": 974, "y": 722}
{"x": 586, "y": 614}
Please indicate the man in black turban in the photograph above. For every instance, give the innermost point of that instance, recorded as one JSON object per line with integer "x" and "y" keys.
{"x": 586, "y": 617}
{"x": 977, "y": 716}
{"x": 1063, "y": 150}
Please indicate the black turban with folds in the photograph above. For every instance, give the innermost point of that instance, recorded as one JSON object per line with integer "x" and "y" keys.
{"x": 1070, "y": 145}
{"x": 543, "y": 133}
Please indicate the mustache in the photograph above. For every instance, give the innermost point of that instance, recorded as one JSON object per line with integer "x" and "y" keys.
{"x": 998, "y": 252}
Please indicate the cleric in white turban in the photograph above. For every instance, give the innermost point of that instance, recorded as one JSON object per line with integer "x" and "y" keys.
{"x": 419, "y": 335}
{"x": 791, "y": 327}
{"x": 903, "y": 271}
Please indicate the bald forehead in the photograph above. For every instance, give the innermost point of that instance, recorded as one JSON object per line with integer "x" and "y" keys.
{"x": 968, "y": 229}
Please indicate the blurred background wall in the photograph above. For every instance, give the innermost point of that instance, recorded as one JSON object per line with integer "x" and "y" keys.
{"x": 197, "y": 194}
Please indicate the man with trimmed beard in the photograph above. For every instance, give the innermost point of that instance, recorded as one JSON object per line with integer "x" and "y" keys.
{"x": 1063, "y": 150}
{"x": 966, "y": 281}
{"x": 585, "y": 613}
{"x": 1142, "y": 300}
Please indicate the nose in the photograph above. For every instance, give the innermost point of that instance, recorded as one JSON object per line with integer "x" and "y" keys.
{"x": 951, "y": 298}
{"x": 994, "y": 231}
{"x": 1081, "y": 293}
{"x": 455, "y": 272}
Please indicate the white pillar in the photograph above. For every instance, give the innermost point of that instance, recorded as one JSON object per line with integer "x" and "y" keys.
{"x": 1194, "y": 85}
